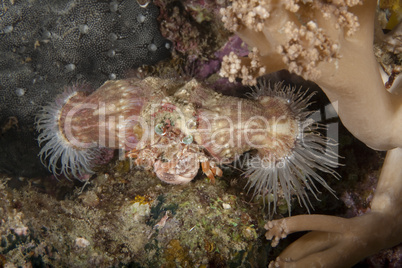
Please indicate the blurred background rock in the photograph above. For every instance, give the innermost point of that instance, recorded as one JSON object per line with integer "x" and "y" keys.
{"x": 47, "y": 45}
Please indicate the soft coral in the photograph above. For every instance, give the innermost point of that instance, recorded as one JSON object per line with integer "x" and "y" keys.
{"x": 330, "y": 43}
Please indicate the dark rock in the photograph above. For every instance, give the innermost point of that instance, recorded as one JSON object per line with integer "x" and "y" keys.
{"x": 47, "y": 45}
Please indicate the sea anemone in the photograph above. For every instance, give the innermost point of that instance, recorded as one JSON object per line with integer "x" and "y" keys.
{"x": 58, "y": 154}
{"x": 75, "y": 128}
{"x": 291, "y": 172}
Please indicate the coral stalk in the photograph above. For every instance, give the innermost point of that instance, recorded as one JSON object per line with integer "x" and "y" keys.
{"x": 333, "y": 240}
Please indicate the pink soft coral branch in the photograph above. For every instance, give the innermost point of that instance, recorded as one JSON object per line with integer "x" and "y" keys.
{"x": 330, "y": 43}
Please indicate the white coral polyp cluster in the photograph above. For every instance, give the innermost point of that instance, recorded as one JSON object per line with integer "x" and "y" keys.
{"x": 250, "y": 13}
{"x": 232, "y": 68}
{"x": 232, "y": 65}
{"x": 339, "y": 9}
{"x": 298, "y": 38}
{"x": 306, "y": 46}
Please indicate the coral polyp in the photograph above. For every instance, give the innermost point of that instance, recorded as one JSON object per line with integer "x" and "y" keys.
{"x": 175, "y": 127}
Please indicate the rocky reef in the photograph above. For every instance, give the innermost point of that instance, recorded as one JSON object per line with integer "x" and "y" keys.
{"x": 123, "y": 215}
{"x": 128, "y": 217}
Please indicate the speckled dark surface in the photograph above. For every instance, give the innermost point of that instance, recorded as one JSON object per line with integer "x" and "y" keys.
{"x": 46, "y": 45}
